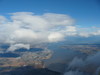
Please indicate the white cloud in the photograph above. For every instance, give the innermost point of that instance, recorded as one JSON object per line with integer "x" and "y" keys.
{"x": 96, "y": 33}
{"x": 18, "y": 46}
{"x": 71, "y": 29}
{"x": 2, "y": 19}
{"x": 29, "y": 28}
{"x": 58, "y": 19}
{"x": 75, "y": 63}
{"x": 55, "y": 37}
{"x": 84, "y": 34}
{"x": 90, "y": 65}
{"x": 24, "y": 35}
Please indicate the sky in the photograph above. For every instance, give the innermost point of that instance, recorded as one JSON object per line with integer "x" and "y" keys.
{"x": 85, "y": 12}
{"x": 32, "y": 22}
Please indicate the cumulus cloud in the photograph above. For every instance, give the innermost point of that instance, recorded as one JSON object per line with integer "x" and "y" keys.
{"x": 97, "y": 32}
{"x": 90, "y": 65}
{"x": 75, "y": 63}
{"x": 71, "y": 29}
{"x": 30, "y": 28}
{"x": 2, "y": 19}
{"x": 54, "y": 37}
{"x": 84, "y": 34}
{"x": 18, "y": 46}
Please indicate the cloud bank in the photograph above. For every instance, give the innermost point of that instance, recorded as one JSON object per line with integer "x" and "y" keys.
{"x": 29, "y": 28}
{"x": 88, "y": 66}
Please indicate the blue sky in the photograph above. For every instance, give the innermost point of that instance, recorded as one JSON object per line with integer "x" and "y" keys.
{"x": 85, "y": 12}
